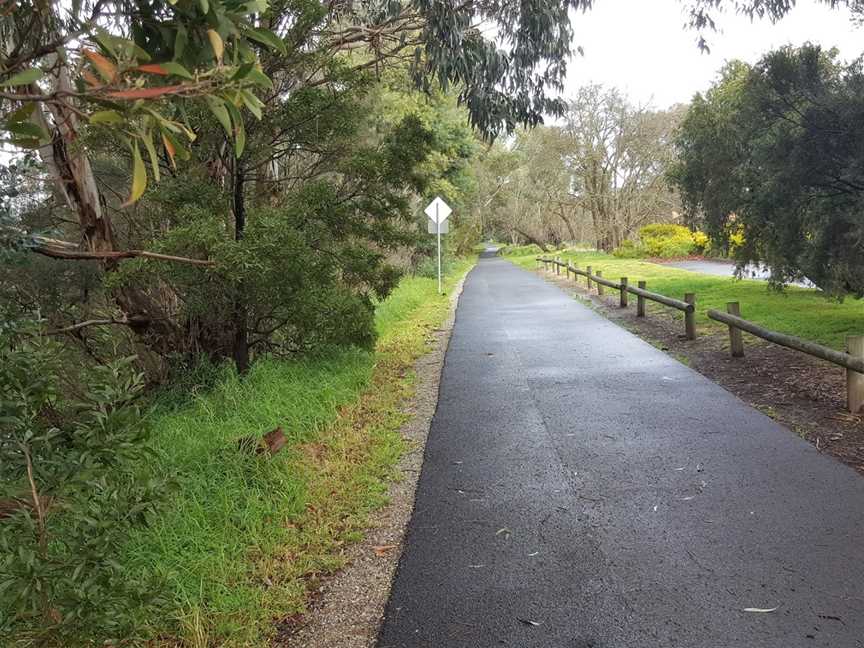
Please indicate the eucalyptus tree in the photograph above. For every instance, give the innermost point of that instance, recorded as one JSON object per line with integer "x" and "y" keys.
{"x": 617, "y": 156}
{"x": 150, "y": 77}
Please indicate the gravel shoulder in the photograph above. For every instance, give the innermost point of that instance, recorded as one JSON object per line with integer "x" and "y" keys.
{"x": 348, "y": 608}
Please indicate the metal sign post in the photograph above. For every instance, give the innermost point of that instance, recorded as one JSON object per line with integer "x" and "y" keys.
{"x": 438, "y": 211}
{"x": 438, "y": 236}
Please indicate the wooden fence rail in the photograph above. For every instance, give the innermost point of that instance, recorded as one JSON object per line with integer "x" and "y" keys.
{"x": 688, "y": 306}
{"x": 852, "y": 360}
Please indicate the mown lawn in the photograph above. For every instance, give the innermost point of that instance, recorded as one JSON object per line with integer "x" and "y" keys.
{"x": 796, "y": 311}
{"x": 242, "y": 538}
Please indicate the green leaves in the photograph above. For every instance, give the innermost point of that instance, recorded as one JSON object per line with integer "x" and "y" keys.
{"x": 23, "y": 131}
{"x": 25, "y": 77}
{"x": 217, "y": 107}
{"x": 266, "y": 37}
{"x": 239, "y": 130}
{"x": 177, "y": 70}
{"x": 216, "y": 44}
{"x": 139, "y": 176}
{"x": 106, "y": 117}
{"x": 228, "y": 115}
{"x": 92, "y": 473}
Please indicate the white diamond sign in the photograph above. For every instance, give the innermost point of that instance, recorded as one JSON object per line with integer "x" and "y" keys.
{"x": 438, "y": 210}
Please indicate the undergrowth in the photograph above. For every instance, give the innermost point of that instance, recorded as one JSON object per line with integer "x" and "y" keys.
{"x": 245, "y": 538}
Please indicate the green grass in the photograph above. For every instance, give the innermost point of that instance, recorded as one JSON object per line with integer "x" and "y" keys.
{"x": 796, "y": 311}
{"x": 242, "y": 538}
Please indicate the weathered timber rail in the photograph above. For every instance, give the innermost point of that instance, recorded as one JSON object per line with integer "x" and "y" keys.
{"x": 687, "y": 306}
{"x": 852, "y": 360}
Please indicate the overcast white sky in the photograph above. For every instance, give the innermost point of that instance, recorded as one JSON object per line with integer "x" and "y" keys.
{"x": 641, "y": 46}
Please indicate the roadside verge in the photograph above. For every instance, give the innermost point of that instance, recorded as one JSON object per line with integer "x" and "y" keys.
{"x": 347, "y": 608}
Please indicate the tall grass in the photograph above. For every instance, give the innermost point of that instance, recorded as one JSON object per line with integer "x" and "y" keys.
{"x": 803, "y": 312}
{"x": 241, "y": 536}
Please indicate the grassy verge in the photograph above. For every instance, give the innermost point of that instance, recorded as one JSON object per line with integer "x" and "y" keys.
{"x": 243, "y": 539}
{"x": 796, "y": 311}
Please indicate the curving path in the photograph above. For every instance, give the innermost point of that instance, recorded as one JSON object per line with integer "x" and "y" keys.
{"x": 582, "y": 489}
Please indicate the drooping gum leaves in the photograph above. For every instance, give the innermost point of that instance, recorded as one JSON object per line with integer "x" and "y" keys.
{"x": 106, "y": 69}
{"x": 239, "y": 131}
{"x": 139, "y": 176}
{"x": 217, "y": 107}
{"x": 153, "y": 68}
{"x": 30, "y": 75}
{"x": 169, "y": 148}
{"x": 266, "y": 37}
{"x": 106, "y": 117}
{"x": 151, "y": 151}
{"x": 216, "y": 43}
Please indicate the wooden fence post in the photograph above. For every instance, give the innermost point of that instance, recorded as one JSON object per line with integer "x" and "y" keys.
{"x": 588, "y": 269}
{"x": 690, "y": 317}
{"x": 640, "y": 301}
{"x": 599, "y": 285}
{"x": 736, "y": 341}
{"x": 575, "y": 276}
{"x": 557, "y": 267}
{"x": 855, "y": 380}
{"x": 623, "y": 301}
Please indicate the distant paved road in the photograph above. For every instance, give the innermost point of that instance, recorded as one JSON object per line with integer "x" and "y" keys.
{"x": 579, "y": 479}
{"x": 727, "y": 269}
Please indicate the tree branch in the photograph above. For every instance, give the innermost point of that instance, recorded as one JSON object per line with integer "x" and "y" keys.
{"x": 65, "y": 250}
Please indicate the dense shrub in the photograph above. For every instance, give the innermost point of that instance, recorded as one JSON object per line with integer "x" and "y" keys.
{"x": 666, "y": 240}
{"x": 73, "y": 484}
{"x": 701, "y": 242}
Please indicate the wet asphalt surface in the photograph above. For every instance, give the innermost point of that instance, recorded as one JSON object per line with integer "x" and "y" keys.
{"x": 581, "y": 488}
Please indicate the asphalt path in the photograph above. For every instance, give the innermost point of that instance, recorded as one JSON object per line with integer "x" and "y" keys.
{"x": 582, "y": 489}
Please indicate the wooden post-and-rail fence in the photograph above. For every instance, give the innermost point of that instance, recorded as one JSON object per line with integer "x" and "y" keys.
{"x": 852, "y": 360}
{"x": 595, "y": 277}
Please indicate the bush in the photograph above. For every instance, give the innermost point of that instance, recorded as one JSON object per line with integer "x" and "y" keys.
{"x": 701, "y": 242}
{"x": 428, "y": 266}
{"x": 667, "y": 240}
{"x": 74, "y": 482}
{"x": 736, "y": 238}
{"x": 521, "y": 250}
{"x": 629, "y": 250}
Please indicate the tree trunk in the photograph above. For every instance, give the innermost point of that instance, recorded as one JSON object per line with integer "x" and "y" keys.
{"x": 68, "y": 162}
{"x": 568, "y": 224}
{"x": 531, "y": 239}
{"x": 240, "y": 350}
